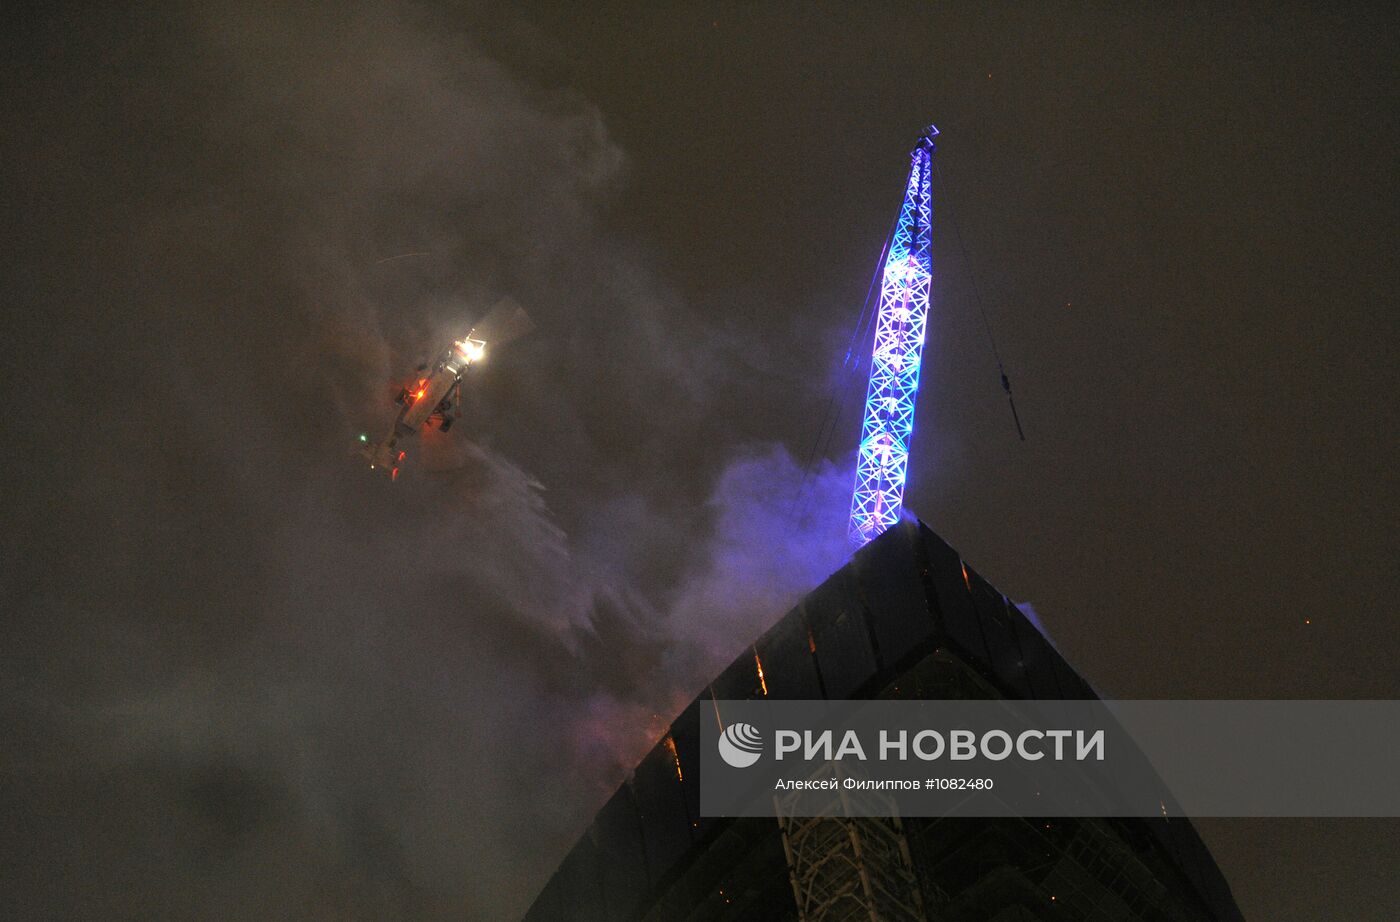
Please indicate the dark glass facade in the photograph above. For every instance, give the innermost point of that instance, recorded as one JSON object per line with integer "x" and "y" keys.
{"x": 905, "y": 618}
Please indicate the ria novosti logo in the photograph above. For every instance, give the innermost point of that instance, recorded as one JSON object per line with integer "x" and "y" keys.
{"x": 740, "y": 745}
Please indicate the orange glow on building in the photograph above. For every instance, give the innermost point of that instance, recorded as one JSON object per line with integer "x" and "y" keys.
{"x": 675, "y": 756}
{"x": 966, "y": 581}
{"x": 762, "y": 682}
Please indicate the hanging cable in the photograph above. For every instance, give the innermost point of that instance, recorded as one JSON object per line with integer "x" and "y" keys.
{"x": 981, "y": 308}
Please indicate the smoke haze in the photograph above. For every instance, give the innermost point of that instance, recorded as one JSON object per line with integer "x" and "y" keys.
{"x": 243, "y": 678}
{"x": 248, "y": 679}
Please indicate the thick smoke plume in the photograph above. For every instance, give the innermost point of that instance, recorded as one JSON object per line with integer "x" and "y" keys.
{"x": 245, "y": 679}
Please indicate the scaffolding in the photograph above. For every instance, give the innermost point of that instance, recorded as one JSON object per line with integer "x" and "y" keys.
{"x": 850, "y": 862}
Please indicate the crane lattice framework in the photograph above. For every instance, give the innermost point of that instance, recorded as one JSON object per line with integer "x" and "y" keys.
{"x": 883, "y": 461}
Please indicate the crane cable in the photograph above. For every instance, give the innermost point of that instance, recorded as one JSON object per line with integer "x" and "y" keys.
{"x": 981, "y": 308}
{"x": 830, "y": 421}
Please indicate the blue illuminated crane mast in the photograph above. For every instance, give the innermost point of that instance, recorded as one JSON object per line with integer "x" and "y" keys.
{"x": 883, "y": 461}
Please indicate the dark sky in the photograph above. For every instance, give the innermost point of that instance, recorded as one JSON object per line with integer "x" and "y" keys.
{"x": 244, "y": 680}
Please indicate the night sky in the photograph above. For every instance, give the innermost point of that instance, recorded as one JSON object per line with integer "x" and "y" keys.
{"x": 242, "y": 678}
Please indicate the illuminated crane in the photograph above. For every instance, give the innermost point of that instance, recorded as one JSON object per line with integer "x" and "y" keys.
{"x": 883, "y": 461}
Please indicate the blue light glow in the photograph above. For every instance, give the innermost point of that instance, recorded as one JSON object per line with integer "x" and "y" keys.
{"x": 883, "y": 462}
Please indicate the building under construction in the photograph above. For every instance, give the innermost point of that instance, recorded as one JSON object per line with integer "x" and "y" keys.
{"x": 906, "y": 618}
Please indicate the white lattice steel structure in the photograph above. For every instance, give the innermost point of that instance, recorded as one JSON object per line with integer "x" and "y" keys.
{"x": 883, "y": 463}
{"x": 848, "y": 868}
